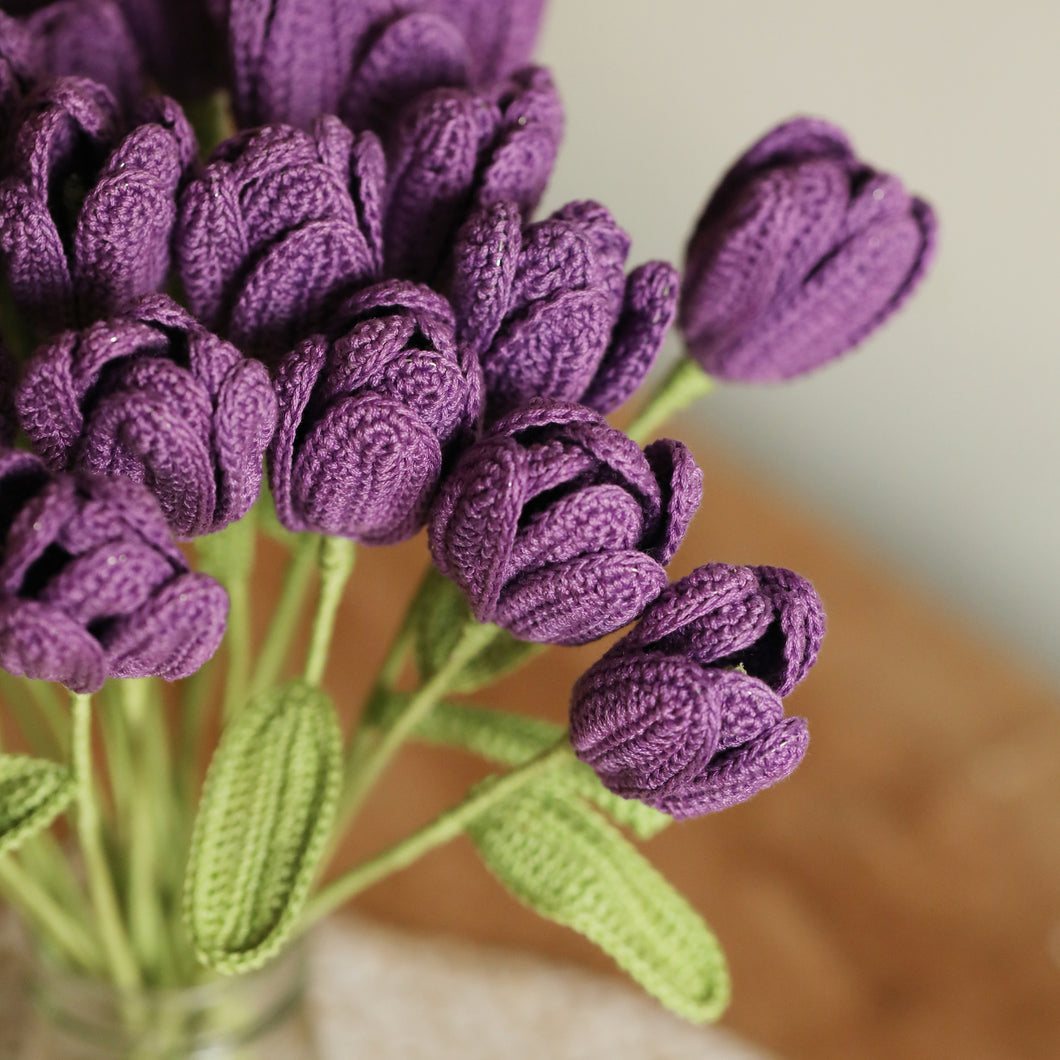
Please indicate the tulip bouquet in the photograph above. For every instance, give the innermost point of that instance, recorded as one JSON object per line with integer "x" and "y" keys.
{"x": 320, "y": 270}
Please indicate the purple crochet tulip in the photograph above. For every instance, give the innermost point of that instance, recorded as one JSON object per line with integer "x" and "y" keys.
{"x": 453, "y": 151}
{"x": 557, "y": 526}
{"x": 549, "y": 310}
{"x": 87, "y": 215}
{"x": 370, "y": 415}
{"x": 155, "y": 397}
{"x": 279, "y": 228}
{"x": 293, "y": 60}
{"x": 92, "y": 585}
{"x": 86, "y": 38}
{"x": 685, "y": 712}
{"x": 179, "y": 44}
{"x": 802, "y": 251}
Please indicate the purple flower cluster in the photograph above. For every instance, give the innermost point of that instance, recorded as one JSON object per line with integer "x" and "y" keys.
{"x": 353, "y": 291}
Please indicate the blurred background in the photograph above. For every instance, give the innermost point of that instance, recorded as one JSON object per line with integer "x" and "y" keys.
{"x": 937, "y": 441}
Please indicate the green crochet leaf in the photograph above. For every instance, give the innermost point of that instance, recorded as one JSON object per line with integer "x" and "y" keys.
{"x": 512, "y": 739}
{"x": 441, "y": 614}
{"x": 33, "y": 792}
{"x": 569, "y": 865}
{"x": 263, "y": 823}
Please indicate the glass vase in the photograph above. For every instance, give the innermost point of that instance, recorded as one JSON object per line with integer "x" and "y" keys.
{"x": 263, "y": 1015}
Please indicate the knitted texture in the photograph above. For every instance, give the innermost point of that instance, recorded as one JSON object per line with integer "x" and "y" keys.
{"x": 263, "y": 825}
{"x": 33, "y": 792}
{"x": 801, "y": 252}
{"x": 549, "y": 310}
{"x": 557, "y": 526}
{"x": 453, "y": 151}
{"x": 86, "y": 38}
{"x": 293, "y": 60}
{"x": 92, "y": 585}
{"x": 155, "y": 397}
{"x": 370, "y": 415}
{"x": 685, "y": 711}
{"x": 280, "y": 226}
{"x": 87, "y": 214}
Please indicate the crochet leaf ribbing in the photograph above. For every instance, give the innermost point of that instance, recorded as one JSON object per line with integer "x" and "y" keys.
{"x": 569, "y": 865}
{"x": 33, "y": 792}
{"x": 263, "y": 822}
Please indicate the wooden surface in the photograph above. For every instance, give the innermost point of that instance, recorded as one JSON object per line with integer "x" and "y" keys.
{"x": 898, "y": 897}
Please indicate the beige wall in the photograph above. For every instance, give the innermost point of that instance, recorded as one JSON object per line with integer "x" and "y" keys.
{"x": 939, "y": 439}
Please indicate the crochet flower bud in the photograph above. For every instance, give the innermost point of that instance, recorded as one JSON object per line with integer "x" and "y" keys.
{"x": 87, "y": 214}
{"x": 92, "y": 585}
{"x": 293, "y": 60}
{"x": 685, "y": 712}
{"x": 155, "y": 397}
{"x": 278, "y": 229}
{"x": 557, "y": 526}
{"x": 370, "y": 415}
{"x": 453, "y": 151}
{"x": 801, "y": 252}
{"x": 549, "y": 310}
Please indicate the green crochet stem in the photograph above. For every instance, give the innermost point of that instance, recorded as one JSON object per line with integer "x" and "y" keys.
{"x": 444, "y": 827}
{"x": 119, "y": 954}
{"x": 362, "y": 770}
{"x": 287, "y": 614}
{"x": 336, "y": 558}
{"x": 25, "y": 893}
{"x": 685, "y": 383}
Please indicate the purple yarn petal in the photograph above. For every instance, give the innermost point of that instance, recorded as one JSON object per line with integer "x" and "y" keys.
{"x": 554, "y": 350}
{"x": 500, "y": 36}
{"x": 801, "y": 252}
{"x": 713, "y": 589}
{"x": 87, "y": 38}
{"x": 485, "y": 258}
{"x": 738, "y": 774}
{"x": 648, "y": 310}
{"x": 529, "y": 134}
{"x": 641, "y": 721}
{"x": 295, "y": 284}
{"x": 435, "y": 157}
{"x": 413, "y": 54}
{"x": 800, "y": 622}
{"x": 41, "y": 643}
{"x": 366, "y": 470}
{"x": 173, "y": 634}
{"x": 681, "y": 481}
{"x": 581, "y": 599}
